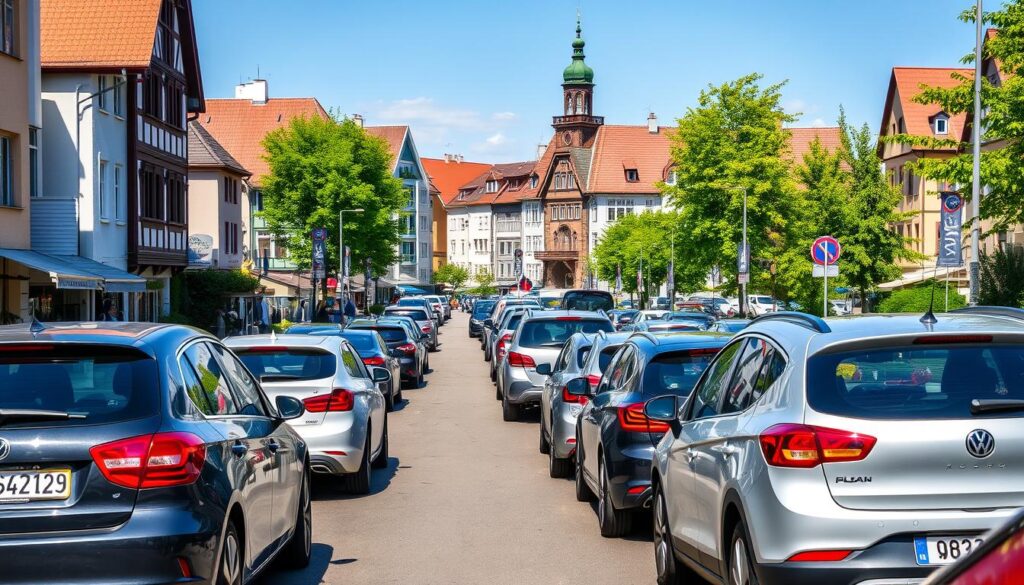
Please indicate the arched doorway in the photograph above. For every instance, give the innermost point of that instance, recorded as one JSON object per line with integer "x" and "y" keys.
{"x": 561, "y": 275}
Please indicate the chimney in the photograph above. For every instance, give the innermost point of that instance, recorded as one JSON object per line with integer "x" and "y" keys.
{"x": 652, "y": 123}
{"x": 255, "y": 90}
{"x": 541, "y": 149}
{"x": 358, "y": 119}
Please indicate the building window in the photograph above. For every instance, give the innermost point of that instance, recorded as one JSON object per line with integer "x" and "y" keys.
{"x": 152, "y": 91}
{"x": 901, "y": 125}
{"x": 116, "y": 94}
{"x": 6, "y": 172}
{"x": 408, "y": 253}
{"x": 176, "y": 199}
{"x": 423, "y": 222}
{"x": 151, "y": 188}
{"x": 119, "y": 202}
{"x": 8, "y": 24}
{"x": 673, "y": 177}
{"x": 593, "y": 210}
{"x": 424, "y": 250}
{"x": 533, "y": 181}
{"x": 101, "y": 94}
{"x": 34, "y": 177}
{"x": 101, "y": 192}
{"x": 491, "y": 186}
{"x": 941, "y": 125}
{"x": 174, "y": 114}
{"x": 619, "y": 208}
{"x": 632, "y": 176}
{"x": 565, "y": 181}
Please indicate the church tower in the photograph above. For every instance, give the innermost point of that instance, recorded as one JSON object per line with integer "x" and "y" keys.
{"x": 577, "y": 125}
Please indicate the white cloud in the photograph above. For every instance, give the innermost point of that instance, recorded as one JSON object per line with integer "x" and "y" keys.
{"x": 497, "y": 139}
{"x": 818, "y": 123}
{"x": 504, "y": 116}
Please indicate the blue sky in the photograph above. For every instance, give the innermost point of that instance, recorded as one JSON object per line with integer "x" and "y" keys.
{"x": 481, "y": 78}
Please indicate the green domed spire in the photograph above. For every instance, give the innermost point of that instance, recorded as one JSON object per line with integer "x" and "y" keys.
{"x": 578, "y": 72}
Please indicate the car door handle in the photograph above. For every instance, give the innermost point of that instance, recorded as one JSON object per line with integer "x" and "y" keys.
{"x": 725, "y": 450}
{"x": 239, "y": 449}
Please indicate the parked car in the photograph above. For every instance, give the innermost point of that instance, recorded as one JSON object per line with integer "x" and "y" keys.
{"x": 413, "y": 355}
{"x": 446, "y": 306}
{"x": 997, "y": 560}
{"x": 538, "y": 340}
{"x": 677, "y": 322}
{"x": 481, "y": 310}
{"x": 309, "y": 328}
{"x": 550, "y": 299}
{"x": 716, "y": 306}
{"x": 152, "y": 440}
{"x": 494, "y": 319}
{"x": 627, "y": 304}
{"x": 558, "y": 408}
{"x": 433, "y": 311}
{"x": 511, "y": 317}
{"x": 840, "y": 307}
{"x": 729, "y": 325}
{"x": 587, "y": 300}
{"x": 761, "y": 304}
{"x": 902, "y": 435}
{"x": 660, "y": 303}
{"x": 615, "y": 440}
{"x": 423, "y": 318}
{"x": 651, "y": 314}
{"x": 622, "y": 317}
{"x": 685, "y": 315}
{"x": 345, "y": 426}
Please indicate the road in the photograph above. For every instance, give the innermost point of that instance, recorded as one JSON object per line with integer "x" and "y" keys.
{"x": 466, "y": 498}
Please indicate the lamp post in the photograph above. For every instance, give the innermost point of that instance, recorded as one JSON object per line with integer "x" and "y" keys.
{"x": 974, "y": 270}
{"x": 341, "y": 246}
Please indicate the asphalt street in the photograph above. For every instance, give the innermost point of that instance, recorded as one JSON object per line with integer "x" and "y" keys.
{"x": 466, "y": 498}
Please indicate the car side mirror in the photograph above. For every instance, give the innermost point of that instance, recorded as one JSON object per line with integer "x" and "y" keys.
{"x": 289, "y": 407}
{"x": 663, "y": 408}
{"x": 488, "y": 323}
{"x": 544, "y": 369}
{"x": 578, "y": 387}
{"x": 380, "y": 375}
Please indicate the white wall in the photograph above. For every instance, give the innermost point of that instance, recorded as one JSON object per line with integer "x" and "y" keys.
{"x": 460, "y": 254}
{"x": 480, "y": 229}
{"x": 533, "y": 241}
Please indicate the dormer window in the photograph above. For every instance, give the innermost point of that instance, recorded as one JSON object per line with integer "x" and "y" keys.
{"x": 941, "y": 124}
{"x": 491, "y": 186}
{"x": 533, "y": 181}
{"x": 462, "y": 195}
{"x": 672, "y": 177}
{"x": 632, "y": 176}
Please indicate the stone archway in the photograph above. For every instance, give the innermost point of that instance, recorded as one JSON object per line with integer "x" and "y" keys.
{"x": 561, "y": 275}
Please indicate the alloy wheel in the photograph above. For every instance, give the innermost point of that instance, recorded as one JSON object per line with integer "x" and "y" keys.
{"x": 231, "y": 569}
{"x": 739, "y": 571}
{"x": 307, "y": 517}
{"x": 662, "y": 553}
{"x": 602, "y": 489}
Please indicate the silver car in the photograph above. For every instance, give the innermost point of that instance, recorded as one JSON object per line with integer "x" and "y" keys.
{"x": 510, "y": 319}
{"x": 539, "y": 340}
{"x": 867, "y": 449}
{"x": 423, "y": 318}
{"x": 345, "y": 425}
{"x": 558, "y": 408}
{"x": 426, "y": 304}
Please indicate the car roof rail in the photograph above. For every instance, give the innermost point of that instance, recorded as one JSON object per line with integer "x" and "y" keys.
{"x": 812, "y": 322}
{"x": 648, "y": 335}
{"x": 990, "y": 311}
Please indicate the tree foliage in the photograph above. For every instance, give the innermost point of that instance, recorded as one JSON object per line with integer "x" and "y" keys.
{"x": 1002, "y": 278}
{"x": 917, "y": 299}
{"x": 485, "y": 284}
{"x": 205, "y": 291}
{"x": 453, "y": 275}
{"x": 1002, "y": 167}
{"x": 320, "y": 167}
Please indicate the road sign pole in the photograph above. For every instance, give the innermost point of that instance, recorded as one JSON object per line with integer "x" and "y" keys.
{"x": 824, "y": 302}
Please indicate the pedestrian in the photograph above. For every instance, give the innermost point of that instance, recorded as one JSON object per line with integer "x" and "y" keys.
{"x": 350, "y": 310}
{"x": 109, "y": 311}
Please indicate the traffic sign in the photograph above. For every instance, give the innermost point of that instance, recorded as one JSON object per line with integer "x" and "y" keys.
{"x": 826, "y": 250}
{"x": 818, "y": 271}
{"x": 519, "y": 253}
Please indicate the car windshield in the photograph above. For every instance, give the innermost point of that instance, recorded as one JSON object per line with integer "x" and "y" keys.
{"x": 555, "y": 332}
{"x": 588, "y": 301}
{"x": 916, "y": 383}
{"x": 410, "y": 302}
{"x": 550, "y": 302}
{"x": 417, "y": 314}
{"x": 675, "y": 373}
{"x": 363, "y": 342}
{"x": 279, "y": 363}
{"x": 100, "y": 384}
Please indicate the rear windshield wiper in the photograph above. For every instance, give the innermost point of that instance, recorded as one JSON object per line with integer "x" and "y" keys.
{"x": 22, "y": 415}
{"x": 995, "y": 405}
{"x": 279, "y": 378}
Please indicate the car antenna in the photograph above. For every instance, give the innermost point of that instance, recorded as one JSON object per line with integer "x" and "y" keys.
{"x": 273, "y": 336}
{"x": 929, "y": 317}
{"x": 36, "y": 327}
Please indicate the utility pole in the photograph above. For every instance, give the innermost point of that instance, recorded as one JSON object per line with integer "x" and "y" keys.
{"x": 975, "y": 266}
{"x": 745, "y": 254}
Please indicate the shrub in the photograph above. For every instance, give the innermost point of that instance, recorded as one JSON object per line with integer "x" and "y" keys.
{"x": 1002, "y": 278}
{"x": 377, "y": 310}
{"x": 917, "y": 298}
{"x": 205, "y": 291}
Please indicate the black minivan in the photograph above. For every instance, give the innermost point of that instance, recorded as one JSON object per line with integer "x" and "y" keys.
{"x": 587, "y": 300}
{"x": 143, "y": 453}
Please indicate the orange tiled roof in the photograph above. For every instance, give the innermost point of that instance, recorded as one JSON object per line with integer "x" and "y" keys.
{"x": 800, "y": 140}
{"x": 449, "y": 176}
{"x": 240, "y": 126}
{"x": 205, "y": 152}
{"x": 394, "y": 136}
{"x": 907, "y": 83}
{"x": 98, "y": 33}
{"x": 619, "y": 147}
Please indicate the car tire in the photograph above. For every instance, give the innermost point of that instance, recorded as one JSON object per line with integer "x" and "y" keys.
{"x": 741, "y": 562}
{"x": 509, "y": 411}
{"x": 558, "y": 468}
{"x": 583, "y": 493}
{"x": 497, "y": 391}
{"x": 494, "y": 374}
{"x": 297, "y": 552}
{"x": 668, "y": 568}
{"x": 389, "y": 400}
{"x": 359, "y": 482}
{"x": 229, "y": 571}
{"x": 614, "y": 523}
{"x": 545, "y": 446}
{"x": 381, "y": 461}
{"x": 419, "y": 380}
{"x": 487, "y": 354}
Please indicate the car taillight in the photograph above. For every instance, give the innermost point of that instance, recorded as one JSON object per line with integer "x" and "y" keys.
{"x": 151, "y": 461}
{"x": 407, "y": 348}
{"x": 339, "y": 400}
{"x": 521, "y": 359}
{"x": 572, "y": 398}
{"x": 594, "y": 380}
{"x": 427, "y": 329}
{"x": 568, "y": 318}
{"x": 500, "y": 348}
{"x": 633, "y": 419}
{"x": 374, "y": 361}
{"x": 803, "y": 446}
{"x": 818, "y": 556}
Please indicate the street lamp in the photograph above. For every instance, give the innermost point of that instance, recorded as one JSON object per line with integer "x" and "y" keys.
{"x": 341, "y": 245}
{"x": 974, "y": 270}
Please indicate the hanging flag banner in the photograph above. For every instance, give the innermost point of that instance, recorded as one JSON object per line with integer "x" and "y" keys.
{"x": 639, "y": 280}
{"x": 950, "y": 231}
{"x": 319, "y": 253}
{"x": 618, "y": 278}
{"x": 671, "y": 282}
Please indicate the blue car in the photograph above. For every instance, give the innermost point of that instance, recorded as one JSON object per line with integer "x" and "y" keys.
{"x": 143, "y": 453}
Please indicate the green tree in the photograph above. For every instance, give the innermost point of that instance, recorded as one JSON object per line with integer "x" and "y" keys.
{"x": 1002, "y": 278}
{"x": 734, "y": 141}
{"x": 319, "y": 167}
{"x": 634, "y": 241}
{"x": 485, "y": 284}
{"x": 453, "y": 275}
{"x": 917, "y": 299}
{"x": 1002, "y": 168}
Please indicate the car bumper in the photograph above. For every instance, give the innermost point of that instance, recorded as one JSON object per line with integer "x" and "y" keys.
{"x": 629, "y": 475}
{"x": 407, "y": 366}
{"x": 885, "y": 563}
{"x": 336, "y": 447}
{"x": 145, "y": 550}
{"x": 563, "y": 429}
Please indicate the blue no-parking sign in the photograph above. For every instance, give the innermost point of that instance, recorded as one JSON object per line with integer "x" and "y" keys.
{"x": 826, "y": 250}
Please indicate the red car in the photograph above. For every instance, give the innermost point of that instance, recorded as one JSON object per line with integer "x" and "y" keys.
{"x": 999, "y": 561}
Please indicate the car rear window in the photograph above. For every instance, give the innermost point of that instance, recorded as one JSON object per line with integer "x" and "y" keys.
{"x": 410, "y": 302}
{"x": 391, "y": 334}
{"x": 105, "y": 384}
{"x": 916, "y": 383}
{"x": 482, "y": 308}
{"x": 588, "y": 301}
{"x": 555, "y": 332}
{"x": 606, "y": 356}
{"x": 363, "y": 342}
{"x": 280, "y": 364}
{"x": 550, "y": 302}
{"x": 417, "y": 314}
{"x": 675, "y": 373}
{"x": 514, "y": 321}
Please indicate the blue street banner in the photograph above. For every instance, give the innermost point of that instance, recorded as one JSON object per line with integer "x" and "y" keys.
{"x": 743, "y": 258}
{"x": 319, "y": 253}
{"x": 671, "y": 283}
{"x": 347, "y": 264}
{"x": 951, "y": 231}
{"x": 618, "y": 278}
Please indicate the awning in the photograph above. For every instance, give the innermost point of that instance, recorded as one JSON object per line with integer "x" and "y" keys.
{"x": 115, "y": 280}
{"x": 64, "y": 275}
{"x": 413, "y": 290}
{"x": 923, "y": 274}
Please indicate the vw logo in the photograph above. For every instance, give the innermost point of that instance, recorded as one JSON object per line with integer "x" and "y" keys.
{"x": 5, "y": 449}
{"x": 980, "y": 443}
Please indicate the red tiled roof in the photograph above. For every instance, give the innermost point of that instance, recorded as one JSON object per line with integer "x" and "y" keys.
{"x": 449, "y": 176}
{"x": 800, "y": 140}
{"x": 239, "y": 126}
{"x": 394, "y": 136}
{"x": 205, "y": 152}
{"x": 619, "y": 147}
{"x": 97, "y": 33}
{"x": 907, "y": 82}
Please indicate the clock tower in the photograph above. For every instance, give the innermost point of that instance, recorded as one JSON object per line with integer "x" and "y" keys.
{"x": 577, "y": 125}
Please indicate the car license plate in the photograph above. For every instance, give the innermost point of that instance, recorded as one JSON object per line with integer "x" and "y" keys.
{"x": 944, "y": 550}
{"x": 34, "y": 485}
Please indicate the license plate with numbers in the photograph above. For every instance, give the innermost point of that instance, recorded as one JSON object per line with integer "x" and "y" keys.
{"x": 34, "y": 485}
{"x": 944, "y": 550}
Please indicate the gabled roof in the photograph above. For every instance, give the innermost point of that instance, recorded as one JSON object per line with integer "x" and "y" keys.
{"x": 618, "y": 147}
{"x": 204, "y": 152}
{"x": 98, "y": 33}
{"x": 906, "y": 83}
{"x": 394, "y": 136}
{"x": 476, "y": 188}
{"x": 239, "y": 126}
{"x": 449, "y": 175}
{"x": 800, "y": 140}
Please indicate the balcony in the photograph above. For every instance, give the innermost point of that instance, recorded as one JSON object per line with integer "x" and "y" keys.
{"x": 558, "y": 252}
{"x": 508, "y": 226}
{"x": 578, "y": 119}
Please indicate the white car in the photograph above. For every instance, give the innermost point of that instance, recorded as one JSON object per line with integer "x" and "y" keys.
{"x": 761, "y": 304}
